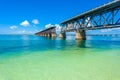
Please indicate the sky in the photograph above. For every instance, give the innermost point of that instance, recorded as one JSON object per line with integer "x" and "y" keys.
{"x": 30, "y": 16}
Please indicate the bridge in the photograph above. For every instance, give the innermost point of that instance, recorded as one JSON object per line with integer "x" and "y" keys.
{"x": 49, "y": 32}
{"x": 103, "y": 17}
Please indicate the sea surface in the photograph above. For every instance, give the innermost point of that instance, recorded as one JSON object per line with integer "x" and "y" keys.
{"x": 30, "y": 57}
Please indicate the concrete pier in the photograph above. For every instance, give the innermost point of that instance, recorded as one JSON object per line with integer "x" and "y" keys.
{"x": 62, "y": 35}
{"x": 80, "y": 34}
{"x": 53, "y": 34}
{"x": 45, "y": 35}
{"x": 49, "y": 35}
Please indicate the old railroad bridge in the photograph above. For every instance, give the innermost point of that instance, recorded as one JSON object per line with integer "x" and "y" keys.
{"x": 103, "y": 17}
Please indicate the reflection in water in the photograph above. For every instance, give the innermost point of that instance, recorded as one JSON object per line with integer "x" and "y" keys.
{"x": 81, "y": 43}
{"x": 25, "y": 40}
{"x": 50, "y": 38}
{"x": 53, "y": 38}
{"x": 25, "y": 37}
{"x": 62, "y": 38}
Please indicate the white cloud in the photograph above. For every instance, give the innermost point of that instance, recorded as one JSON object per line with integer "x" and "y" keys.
{"x": 106, "y": 30}
{"x": 48, "y": 25}
{"x": 58, "y": 27}
{"x": 35, "y": 21}
{"x": 25, "y": 23}
{"x": 13, "y": 27}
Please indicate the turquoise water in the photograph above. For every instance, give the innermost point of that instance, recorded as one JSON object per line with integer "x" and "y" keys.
{"x": 28, "y": 57}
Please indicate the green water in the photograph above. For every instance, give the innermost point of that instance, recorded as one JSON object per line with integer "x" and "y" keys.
{"x": 62, "y": 60}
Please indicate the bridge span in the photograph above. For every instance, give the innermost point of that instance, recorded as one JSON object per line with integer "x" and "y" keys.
{"x": 49, "y": 32}
{"x": 103, "y": 17}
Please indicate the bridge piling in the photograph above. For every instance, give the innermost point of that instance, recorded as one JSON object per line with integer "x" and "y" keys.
{"x": 44, "y": 35}
{"x": 80, "y": 34}
{"x": 49, "y": 35}
{"x": 62, "y": 35}
{"x": 53, "y": 34}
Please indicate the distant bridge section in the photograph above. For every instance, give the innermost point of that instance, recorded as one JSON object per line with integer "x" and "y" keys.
{"x": 50, "y": 32}
{"x": 105, "y": 16}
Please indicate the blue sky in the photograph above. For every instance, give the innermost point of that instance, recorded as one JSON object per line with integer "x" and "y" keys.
{"x": 30, "y": 16}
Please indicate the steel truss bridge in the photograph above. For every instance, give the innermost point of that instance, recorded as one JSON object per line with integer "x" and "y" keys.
{"x": 103, "y": 17}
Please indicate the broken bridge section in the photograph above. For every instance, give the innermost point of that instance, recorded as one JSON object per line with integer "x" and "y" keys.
{"x": 49, "y": 32}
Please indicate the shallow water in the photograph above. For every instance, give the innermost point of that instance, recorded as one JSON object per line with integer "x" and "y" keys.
{"x": 27, "y": 57}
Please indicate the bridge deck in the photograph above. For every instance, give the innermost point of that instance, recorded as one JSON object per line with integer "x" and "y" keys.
{"x": 48, "y": 30}
{"x": 102, "y": 8}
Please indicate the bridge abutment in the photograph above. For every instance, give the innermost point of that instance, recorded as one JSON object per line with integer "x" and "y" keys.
{"x": 80, "y": 34}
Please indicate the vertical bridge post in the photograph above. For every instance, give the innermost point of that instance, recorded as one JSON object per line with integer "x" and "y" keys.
{"x": 62, "y": 35}
{"x": 53, "y": 32}
{"x": 80, "y": 34}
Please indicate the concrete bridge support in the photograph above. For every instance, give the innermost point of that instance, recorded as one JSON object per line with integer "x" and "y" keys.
{"x": 80, "y": 34}
{"x": 43, "y": 34}
{"x": 48, "y": 35}
{"x": 62, "y": 35}
{"x": 53, "y": 34}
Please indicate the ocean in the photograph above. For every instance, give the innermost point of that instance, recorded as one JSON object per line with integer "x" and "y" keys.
{"x": 30, "y": 57}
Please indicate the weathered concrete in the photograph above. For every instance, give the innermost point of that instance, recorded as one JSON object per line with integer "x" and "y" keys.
{"x": 53, "y": 34}
{"x": 45, "y": 35}
{"x": 49, "y": 35}
{"x": 80, "y": 34}
{"x": 62, "y": 35}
